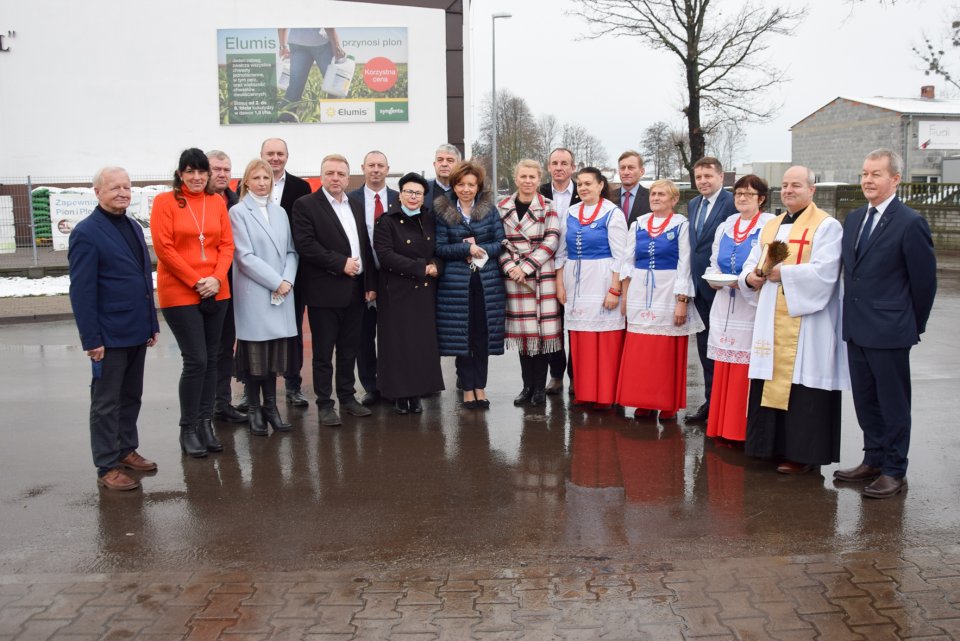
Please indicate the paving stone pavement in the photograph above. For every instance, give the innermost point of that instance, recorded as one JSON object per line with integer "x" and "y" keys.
{"x": 868, "y": 596}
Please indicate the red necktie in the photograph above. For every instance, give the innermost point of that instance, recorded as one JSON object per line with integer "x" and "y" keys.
{"x": 377, "y": 207}
{"x": 626, "y": 203}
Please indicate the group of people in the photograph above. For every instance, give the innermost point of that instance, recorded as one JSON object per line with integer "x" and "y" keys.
{"x": 393, "y": 280}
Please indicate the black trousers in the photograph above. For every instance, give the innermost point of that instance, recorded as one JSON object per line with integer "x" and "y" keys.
{"x": 292, "y": 375}
{"x": 367, "y": 355}
{"x": 336, "y": 328}
{"x": 472, "y": 369}
{"x": 559, "y": 363}
{"x": 703, "y": 308}
{"x": 533, "y": 369}
{"x": 880, "y": 379}
{"x": 198, "y": 336}
{"x": 115, "y": 406}
{"x": 228, "y": 337}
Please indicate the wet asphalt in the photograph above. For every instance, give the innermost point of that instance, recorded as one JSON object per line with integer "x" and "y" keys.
{"x": 509, "y": 486}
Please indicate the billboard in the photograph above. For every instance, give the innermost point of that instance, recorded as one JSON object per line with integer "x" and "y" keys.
{"x": 313, "y": 75}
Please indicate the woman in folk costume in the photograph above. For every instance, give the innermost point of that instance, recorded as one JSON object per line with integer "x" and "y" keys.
{"x": 592, "y": 251}
{"x": 658, "y": 301}
{"x": 731, "y": 316}
{"x": 264, "y": 270}
{"x": 532, "y": 230}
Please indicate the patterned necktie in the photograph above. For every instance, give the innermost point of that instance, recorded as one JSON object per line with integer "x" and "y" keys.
{"x": 865, "y": 234}
{"x": 377, "y": 207}
{"x": 626, "y": 203}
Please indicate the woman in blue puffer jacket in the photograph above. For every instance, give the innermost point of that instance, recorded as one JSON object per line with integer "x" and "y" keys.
{"x": 470, "y": 295}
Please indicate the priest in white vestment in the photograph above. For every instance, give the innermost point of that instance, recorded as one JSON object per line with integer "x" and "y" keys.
{"x": 798, "y": 360}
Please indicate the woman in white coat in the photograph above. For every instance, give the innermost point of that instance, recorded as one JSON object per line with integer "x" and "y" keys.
{"x": 264, "y": 268}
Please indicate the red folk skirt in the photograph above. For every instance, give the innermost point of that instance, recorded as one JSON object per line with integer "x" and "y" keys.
{"x": 653, "y": 373}
{"x": 596, "y": 363}
{"x": 728, "y": 401}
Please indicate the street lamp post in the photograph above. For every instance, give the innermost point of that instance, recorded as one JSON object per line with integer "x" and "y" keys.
{"x": 493, "y": 142}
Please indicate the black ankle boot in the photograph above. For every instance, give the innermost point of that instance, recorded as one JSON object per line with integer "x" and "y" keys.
{"x": 254, "y": 414}
{"x": 190, "y": 442}
{"x": 208, "y": 437}
{"x": 270, "y": 412}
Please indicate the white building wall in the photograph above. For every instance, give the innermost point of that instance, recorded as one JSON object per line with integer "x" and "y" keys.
{"x": 100, "y": 82}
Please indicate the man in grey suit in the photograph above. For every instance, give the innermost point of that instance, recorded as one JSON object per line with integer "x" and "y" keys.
{"x": 705, "y": 213}
{"x": 375, "y": 198}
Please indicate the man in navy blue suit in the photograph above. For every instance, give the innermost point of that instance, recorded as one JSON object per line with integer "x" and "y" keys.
{"x": 706, "y": 212}
{"x": 375, "y": 198}
{"x": 890, "y": 280}
{"x": 111, "y": 291}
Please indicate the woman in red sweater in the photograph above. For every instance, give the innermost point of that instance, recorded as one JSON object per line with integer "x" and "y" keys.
{"x": 194, "y": 247}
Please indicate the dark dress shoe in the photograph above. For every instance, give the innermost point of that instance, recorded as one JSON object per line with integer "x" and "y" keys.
{"x": 415, "y": 405}
{"x": 789, "y": 467}
{"x": 523, "y": 396}
{"x": 884, "y": 487}
{"x": 470, "y": 405}
{"x": 297, "y": 399}
{"x": 329, "y": 417}
{"x": 700, "y": 415}
{"x": 483, "y": 403}
{"x": 401, "y": 406}
{"x": 134, "y": 461}
{"x": 370, "y": 398}
{"x": 352, "y": 407}
{"x": 555, "y": 386}
{"x": 862, "y": 472}
{"x": 208, "y": 437}
{"x": 230, "y": 414}
{"x": 538, "y": 397}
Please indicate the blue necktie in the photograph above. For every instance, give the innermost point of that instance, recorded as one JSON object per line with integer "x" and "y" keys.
{"x": 865, "y": 234}
{"x": 701, "y": 214}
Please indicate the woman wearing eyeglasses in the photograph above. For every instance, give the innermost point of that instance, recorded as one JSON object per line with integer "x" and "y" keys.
{"x": 731, "y": 316}
{"x": 408, "y": 360}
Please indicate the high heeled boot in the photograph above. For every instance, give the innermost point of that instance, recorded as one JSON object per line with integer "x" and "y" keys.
{"x": 254, "y": 413}
{"x": 208, "y": 437}
{"x": 190, "y": 442}
{"x": 270, "y": 412}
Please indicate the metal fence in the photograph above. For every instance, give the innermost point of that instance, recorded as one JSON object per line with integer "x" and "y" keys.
{"x": 26, "y": 236}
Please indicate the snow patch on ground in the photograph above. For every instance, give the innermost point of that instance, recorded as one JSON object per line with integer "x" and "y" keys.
{"x": 47, "y": 286}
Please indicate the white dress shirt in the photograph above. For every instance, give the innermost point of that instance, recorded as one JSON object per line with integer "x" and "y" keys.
{"x": 345, "y": 214}
{"x": 278, "y": 186}
{"x": 561, "y": 199}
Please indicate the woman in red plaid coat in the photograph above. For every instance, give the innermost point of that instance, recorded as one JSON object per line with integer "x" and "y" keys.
{"x": 532, "y": 230}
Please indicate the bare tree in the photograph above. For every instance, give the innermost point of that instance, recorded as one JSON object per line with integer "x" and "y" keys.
{"x": 517, "y": 135}
{"x": 679, "y": 159}
{"x": 657, "y": 148}
{"x": 725, "y": 139}
{"x": 935, "y": 54}
{"x": 548, "y": 131}
{"x": 720, "y": 53}
{"x": 586, "y": 148}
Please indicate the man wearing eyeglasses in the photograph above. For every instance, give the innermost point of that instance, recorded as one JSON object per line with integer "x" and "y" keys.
{"x": 375, "y": 198}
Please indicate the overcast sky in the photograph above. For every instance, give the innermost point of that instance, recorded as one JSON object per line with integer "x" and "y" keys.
{"x": 616, "y": 87}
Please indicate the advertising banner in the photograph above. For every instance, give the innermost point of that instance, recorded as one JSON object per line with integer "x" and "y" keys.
{"x": 315, "y": 75}
{"x": 67, "y": 208}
